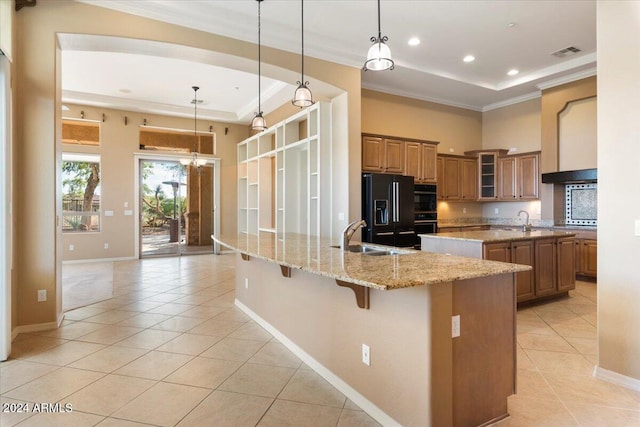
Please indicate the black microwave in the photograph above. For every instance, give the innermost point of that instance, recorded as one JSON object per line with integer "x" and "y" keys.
{"x": 425, "y": 198}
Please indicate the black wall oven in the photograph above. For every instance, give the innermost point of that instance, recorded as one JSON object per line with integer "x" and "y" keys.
{"x": 425, "y": 200}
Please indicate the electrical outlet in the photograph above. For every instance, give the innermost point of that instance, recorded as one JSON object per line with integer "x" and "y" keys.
{"x": 246, "y": 283}
{"x": 71, "y": 247}
{"x": 340, "y": 216}
{"x": 366, "y": 355}
{"x": 455, "y": 326}
{"x": 452, "y": 150}
{"x": 464, "y": 210}
{"x": 496, "y": 210}
{"x": 42, "y": 295}
{"x": 126, "y": 204}
{"x": 106, "y": 246}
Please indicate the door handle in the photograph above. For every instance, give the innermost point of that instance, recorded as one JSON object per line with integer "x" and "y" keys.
{"x": 387, "y": 233}
{"x": 406, "y": 232}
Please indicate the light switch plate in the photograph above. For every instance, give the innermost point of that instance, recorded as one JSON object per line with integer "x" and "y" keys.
{"x": 108, "y": 213}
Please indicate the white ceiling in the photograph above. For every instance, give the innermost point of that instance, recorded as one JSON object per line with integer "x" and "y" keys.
{"x": 502, "y": 35}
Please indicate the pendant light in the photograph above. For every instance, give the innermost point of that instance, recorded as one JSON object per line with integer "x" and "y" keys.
{"x": 302, "y": 97}
{"x": 258, "y": 122}
{"x": 379, "y": 55}
{"x": 194, "y": 161}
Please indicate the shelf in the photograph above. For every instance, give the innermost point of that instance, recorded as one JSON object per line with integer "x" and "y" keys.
{"x": 267, "y": 230}
{"x": 253, "y": 183}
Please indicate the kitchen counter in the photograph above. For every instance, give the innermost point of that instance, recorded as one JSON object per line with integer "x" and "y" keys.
{"x": 301, "y": 290}
{"x": 410, "y": 268}
{"x": 494, "y": 236}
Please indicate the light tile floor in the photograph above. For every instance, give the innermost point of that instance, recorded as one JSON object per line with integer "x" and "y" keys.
{"x": 171, "y": 349}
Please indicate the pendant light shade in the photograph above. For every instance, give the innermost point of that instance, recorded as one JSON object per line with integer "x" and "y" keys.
{"x": 302, "y": 97}
{"x": 379, "y": 55}
{"x": 194, "y": 161}
{"x": 258, "y": 122}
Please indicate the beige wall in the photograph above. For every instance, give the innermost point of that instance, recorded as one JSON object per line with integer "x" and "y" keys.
{"x": 118, "y": 143}
{"x": 618, "y": 189}
{"x": 577, "y": 143}
{"x": 406, "y": 329}
{"x": 514, "y": 126}
{"x": 37, "y": 82}
{"x": 456, "y": 129}
{"x": 554, "y": 101}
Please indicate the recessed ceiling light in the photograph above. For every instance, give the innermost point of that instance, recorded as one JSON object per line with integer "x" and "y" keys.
{"x": 513, "y": 72}
{"x": 414, "y": 41}
{"x": 469, "y": 58}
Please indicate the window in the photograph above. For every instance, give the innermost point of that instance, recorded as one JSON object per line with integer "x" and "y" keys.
{"x": 80, "y": 192}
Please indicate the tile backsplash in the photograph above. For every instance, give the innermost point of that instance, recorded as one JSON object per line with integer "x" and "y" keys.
{"x": 581, "y": 204}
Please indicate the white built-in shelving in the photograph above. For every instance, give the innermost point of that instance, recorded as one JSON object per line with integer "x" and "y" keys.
{"x": 282, "y": 180}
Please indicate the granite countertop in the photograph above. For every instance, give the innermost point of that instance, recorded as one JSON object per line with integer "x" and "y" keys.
{"x": 491, "y": 236}
{"x": 411, "y": 268}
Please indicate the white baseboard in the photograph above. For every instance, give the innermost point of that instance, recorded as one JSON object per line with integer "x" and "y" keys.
{"x": 37, "y": 327}
{"x": 87, "y": 261}
{"x": 616, "y": 378}
{"x": 376, "y": 413}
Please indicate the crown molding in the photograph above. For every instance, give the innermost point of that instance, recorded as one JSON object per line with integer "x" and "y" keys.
{"x": 516, "y": 100}
{"x": 413, "y": 95}
{"x": 568, "y": 79}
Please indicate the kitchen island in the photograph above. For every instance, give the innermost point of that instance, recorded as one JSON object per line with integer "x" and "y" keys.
{"x": 551, "y": 253}
{"x": 301, "y": 290}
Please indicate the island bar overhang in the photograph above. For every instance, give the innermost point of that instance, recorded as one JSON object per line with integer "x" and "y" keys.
{"x": 419, "y": 374}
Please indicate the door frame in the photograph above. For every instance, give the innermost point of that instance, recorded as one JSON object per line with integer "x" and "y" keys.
{"x": 140, "y": 156}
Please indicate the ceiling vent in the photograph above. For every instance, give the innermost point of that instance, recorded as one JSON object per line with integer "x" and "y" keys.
{"x": 567, "y": 51}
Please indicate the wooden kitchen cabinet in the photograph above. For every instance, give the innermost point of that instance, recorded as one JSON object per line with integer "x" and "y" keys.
{"x": 497, "y": 251}
{"x": 517, "y": 252}
{"x": 382, "y": 155}
{"x": 459, "y": 176}
{"x": 566, "y": 264}
{"x": 546, "y": 266}
{"x": 522, "y": 252}
{"x": 518, "y": 177}
{"x": 440, "y": 177}
{"x": 586, "y": 257}
{"x": 420, "y": 161}
{"x": 469, "y": 179}
{"x": 395, "y": 155}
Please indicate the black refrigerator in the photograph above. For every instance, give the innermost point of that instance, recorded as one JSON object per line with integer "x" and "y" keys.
{"x": 388, "y": 209}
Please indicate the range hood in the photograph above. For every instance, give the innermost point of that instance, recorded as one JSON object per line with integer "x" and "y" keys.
{"x": 571, "y": 177}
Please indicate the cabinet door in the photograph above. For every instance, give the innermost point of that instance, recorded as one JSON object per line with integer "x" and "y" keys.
{"x": 522, "y": 253}
{"x": 469, "y": 179}
{"x": 451, "y": 178}
{"x": 507, "y": 175}
{"x": 394, "y": 156}
{"x": 528, "y": 176}
{"x": 545, "y": 261}
{"x": 497, "y": 252}
{"x": 566, "y": 264}
{"x": 577, "y": 244}
{"x": 590, "y": 257}
{"x": 488, "y": 176}
{"x": 440, "y": 177}
{"x": 429, "y": 154}
{"x": 413, "y": 160}
{"x": 373, "y": 154}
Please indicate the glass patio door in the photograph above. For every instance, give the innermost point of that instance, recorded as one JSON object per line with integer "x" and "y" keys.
{"x": 162, "y": 207}
{"x": 177, "y": 208}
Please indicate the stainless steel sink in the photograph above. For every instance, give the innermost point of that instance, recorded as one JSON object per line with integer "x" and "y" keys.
{"x": 374, "y": 250}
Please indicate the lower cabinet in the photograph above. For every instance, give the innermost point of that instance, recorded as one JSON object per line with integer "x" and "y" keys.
{"x": 586, "y": 257}
{"x": 552, "y": 260}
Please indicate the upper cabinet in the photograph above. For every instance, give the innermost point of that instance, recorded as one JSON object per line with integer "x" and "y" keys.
{"x": 518, "y": 177}
{"x": 393, "y": 155}
{"x": 507, "y": 178}
{"x": 457, "y": 178}
{"x": 382, "y": 155}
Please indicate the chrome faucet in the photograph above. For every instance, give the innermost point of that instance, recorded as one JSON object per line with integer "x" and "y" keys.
{"x": 526, "y": 226}
{"x": 348, "y": 231}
